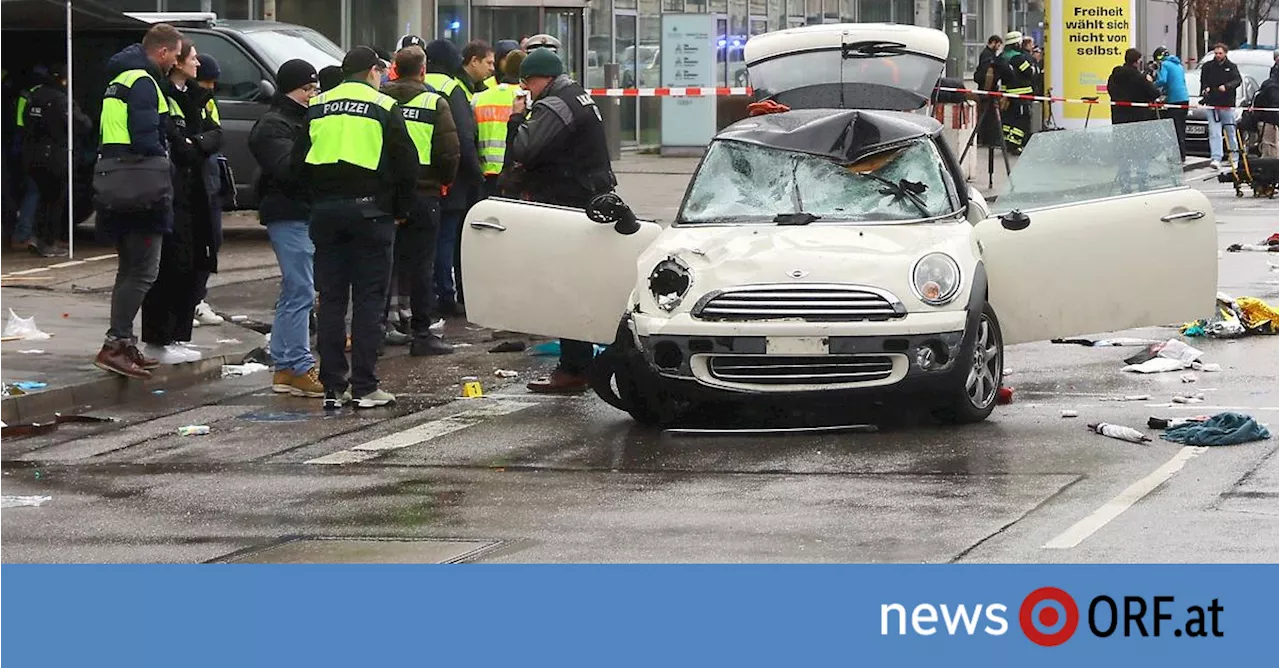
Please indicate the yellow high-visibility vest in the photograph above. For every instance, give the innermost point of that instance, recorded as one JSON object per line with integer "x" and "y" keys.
{"x": 420, "y": 120}
{"x": 114, "y": 120}
{"x": 493, "y": 110}
{"x": 346, "y": 125}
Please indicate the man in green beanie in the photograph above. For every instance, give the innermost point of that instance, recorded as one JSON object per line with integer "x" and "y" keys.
{"x": 558, "y": 155}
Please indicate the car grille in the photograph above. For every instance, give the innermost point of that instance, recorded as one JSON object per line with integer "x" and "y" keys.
{"x": 806, "y": 302}
{"x": 800, "y": 370}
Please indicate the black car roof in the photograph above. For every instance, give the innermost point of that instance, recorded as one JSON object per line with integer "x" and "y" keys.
{"x": 258, "y": 26}
{"x": 842, "y": 134}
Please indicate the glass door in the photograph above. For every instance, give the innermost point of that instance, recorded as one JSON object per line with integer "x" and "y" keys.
{"x": 566, "y": 26}
{"x": 629, "y": 63}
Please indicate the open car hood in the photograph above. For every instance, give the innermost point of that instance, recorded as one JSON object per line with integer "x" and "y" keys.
{"x": 848, "y": 66}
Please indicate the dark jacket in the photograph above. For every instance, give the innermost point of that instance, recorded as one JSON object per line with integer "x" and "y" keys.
{"x": 557, "y": 150}
{"x": 148, "y": 136}
{"x": 1268, "y": 97}
{"x": 1214, "y": 74}
{"x": 193, "y": 138}
{"x": 392, "y": 185}
{"x": 468, "y": 186}
{"x": 444, "y": 140}
{"x": 45, "y": 144}
{"x": 1130, "y": 84}
{"x": 985, "y": 59}
{"x": 281, "y": 193}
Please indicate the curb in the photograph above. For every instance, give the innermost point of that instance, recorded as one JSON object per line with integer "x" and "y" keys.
{"x": 110, "y": 390}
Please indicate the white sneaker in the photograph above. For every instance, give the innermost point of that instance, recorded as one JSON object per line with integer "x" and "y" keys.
{"x": 438, "y": 326}
{"x": 1214, "y": 164}
{"x": 195, "y": 322}
{"x": 170, "y": 354}
{"x": 375, "y": 399}
{"x": 206, "y": 316}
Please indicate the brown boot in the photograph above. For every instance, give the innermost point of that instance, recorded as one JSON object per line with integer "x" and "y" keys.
{"x": 559, "y": 382}
{"x": 141, "y": 360}
{"x": 115, "y": 357}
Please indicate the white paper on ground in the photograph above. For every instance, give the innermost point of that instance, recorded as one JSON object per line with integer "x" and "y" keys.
{"x": 230, "y": 370}
{"x": 1176, "y": 350}
{"x": 17, "y": 501}
{"x": 1156, "y": 365}
{"x": 23, "y": 327}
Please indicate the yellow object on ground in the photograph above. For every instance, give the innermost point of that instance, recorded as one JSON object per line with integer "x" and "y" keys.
{"x": 1257, "y": 312}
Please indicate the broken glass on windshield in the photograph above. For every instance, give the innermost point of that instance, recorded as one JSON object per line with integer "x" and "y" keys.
{"x": 748, "y": 183}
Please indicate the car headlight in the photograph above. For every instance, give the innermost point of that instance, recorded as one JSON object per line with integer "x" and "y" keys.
{"x": 669, "y": 282}
{"x": 936, "y": 279}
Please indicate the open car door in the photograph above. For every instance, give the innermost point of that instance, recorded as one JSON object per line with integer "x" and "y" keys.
{"x": 548, "y": 270}
{"x": 1111, "y": 238}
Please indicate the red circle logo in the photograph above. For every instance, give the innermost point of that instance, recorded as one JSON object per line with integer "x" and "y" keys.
{"x": 1048, "y": 616}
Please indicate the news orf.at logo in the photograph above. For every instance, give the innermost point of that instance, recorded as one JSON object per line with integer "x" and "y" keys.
{"x": 1049, "y": 617}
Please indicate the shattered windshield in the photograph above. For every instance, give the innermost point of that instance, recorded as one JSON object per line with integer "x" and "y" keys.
{"x": 1099, "y": 162}
{"x": 747, "y": 183}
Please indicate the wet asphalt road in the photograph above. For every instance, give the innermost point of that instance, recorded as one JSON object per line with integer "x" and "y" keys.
{"x": 524, "y": 479}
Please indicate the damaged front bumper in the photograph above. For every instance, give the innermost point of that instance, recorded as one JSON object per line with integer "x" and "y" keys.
{"x": 917, "y": 351}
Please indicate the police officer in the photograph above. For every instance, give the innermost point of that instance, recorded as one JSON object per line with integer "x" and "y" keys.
{"x": 1016, "y": 76}
{"x": 501, "y": 49}
{"x": 559, "y": 156}
{"x": 493, "y": 110}
{"x": 434, "y": 135}
{"x": 361, "y": 164}
{"x": 44, "y": 153}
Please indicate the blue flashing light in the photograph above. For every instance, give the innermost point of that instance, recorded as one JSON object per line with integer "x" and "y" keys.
{"x": 456, "y": 25}
{"x": 721, "y": 43}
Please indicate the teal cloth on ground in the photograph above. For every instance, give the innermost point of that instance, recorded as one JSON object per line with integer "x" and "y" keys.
{"x": 1221, "y": 429}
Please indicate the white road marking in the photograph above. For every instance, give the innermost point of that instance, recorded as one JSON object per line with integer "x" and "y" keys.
{"x": 24, "y": 272}
{"x": 481, "y": 411}
{"x": 1122, "y": 502}
{"x": 100, "y": 257}
{"x": 71, "y": 263}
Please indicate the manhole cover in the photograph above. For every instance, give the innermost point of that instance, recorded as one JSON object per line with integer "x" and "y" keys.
{"x": 363, "y": 551}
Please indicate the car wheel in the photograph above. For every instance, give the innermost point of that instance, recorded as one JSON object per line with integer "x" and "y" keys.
{"x": 620, "y": 377}
{"x": 974, "y": 396}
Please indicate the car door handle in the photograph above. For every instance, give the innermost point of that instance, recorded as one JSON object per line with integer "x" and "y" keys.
{"x": 488, "y": 225}
{"x": 1185, "y": 215}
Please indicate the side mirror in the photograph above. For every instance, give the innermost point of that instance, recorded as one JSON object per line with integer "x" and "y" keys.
{"x": 1015, "y": 220}
{"x": 266, "y": 89}
{"x": 609, "y": 208}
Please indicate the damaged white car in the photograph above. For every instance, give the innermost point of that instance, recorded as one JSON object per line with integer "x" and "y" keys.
{"x": 834, "y": 251}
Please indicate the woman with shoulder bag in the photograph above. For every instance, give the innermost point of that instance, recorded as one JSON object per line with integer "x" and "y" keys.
{"x": 189, "y": 249}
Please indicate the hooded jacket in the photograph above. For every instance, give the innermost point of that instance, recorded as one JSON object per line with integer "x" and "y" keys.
{"x": 1172, "y": 80}
{"x": 1129, "y": 84}
{"x": 193, "y": 138}
{"x": 1214, "y": 74}
{"x": 444, "y": 140}
{"x": 147, "y": 136}
{"x": 443, "y": 57}
{"x": 281, "y": 193}
{"x": 1268, "y": 97}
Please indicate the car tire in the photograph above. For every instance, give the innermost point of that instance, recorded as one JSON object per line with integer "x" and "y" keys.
{"x": 976, "y": 380}
{"x": 620, "y": 377}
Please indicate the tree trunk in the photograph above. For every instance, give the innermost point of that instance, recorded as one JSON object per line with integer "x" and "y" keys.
{"x": 1182, "y": 22}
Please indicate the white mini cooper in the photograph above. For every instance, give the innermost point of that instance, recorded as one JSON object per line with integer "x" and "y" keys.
{"x": 836, "y": 250}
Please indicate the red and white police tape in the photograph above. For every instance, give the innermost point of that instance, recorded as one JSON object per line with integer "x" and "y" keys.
{"x": 1114, "y": 103}
{"x": 669, "y": 92}
{"x": 736, "y": 91}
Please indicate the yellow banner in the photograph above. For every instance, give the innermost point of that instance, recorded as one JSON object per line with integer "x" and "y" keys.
{"x": 1095, "y": 35}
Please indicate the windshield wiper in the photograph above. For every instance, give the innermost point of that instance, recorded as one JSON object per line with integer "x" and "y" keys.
{"x": 903, "y": 189}
{"x": 871, "y": 49}
{"x": 797, "y": 218}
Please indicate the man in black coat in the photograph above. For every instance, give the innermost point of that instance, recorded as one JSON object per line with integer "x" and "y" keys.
{"x": 284, "y": 208}
{"x": 988, "y": 78}
{"x": 1219, "y": 79}
{"x": 44, "y": 156}
{"x": 1128, "y": 83}
{"x": 446, "y": 77}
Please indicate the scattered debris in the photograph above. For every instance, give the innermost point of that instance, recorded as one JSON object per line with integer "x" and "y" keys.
{"x": 1211, "y": 367}
{"x": 29, "y": 385}
{"x": 1156, "y": 365}
{"x": 20, "y": 501}
{"x": 1235, "y": 318}
{"x": 193, "y": 430}
{"x": 506, "y": 347}
{"x": 257, "y": 356}
{"x": 1269, "y": 245}
{"x": 19, "y": 328}
{"x": 505, "y": 373}
{"x": 1004, "y": 396}
{"x": 232, "y": 341}
{"x": 1221, "y": 429}
{"x": 157, "y": 392}
{"x": 1197, "y": 398}
{"x": 1116, "y": 342}
{"x": 31, "y": 352}
{"x": 239, "y": 318}
{"x": 233, "y": 370}
{"x": 1006, "y": 372}
{"x": 547, "y": 349}
{"x": 1189, "y": 378}
{"x": 1165, "y": 423}
{"x": 41, "y": 428}
{"x": 1120, "y": 432}
{"x": 1130, "y": 397}
{"x": 1070, "y": 413}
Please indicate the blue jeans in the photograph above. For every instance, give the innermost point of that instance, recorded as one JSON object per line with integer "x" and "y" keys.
{"x": 446, "y": 247}
{"x": 25, "y": 230}
{"x": 1219, "y": 119}
{"x": 291, "y": 334}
